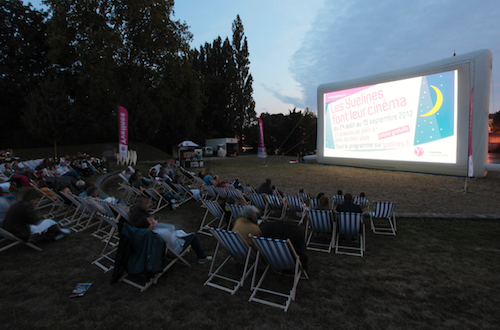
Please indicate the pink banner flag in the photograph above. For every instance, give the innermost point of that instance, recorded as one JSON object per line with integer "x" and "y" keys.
{"x": 262, "y": 148}
{"x": 471, "y": 162}
{"x": 123, "y": 131}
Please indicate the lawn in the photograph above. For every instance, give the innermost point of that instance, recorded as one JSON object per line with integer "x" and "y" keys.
{"x": 436, "y": 273}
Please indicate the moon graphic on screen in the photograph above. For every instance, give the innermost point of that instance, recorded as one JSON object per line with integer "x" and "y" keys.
{"x": 437, "y": 105}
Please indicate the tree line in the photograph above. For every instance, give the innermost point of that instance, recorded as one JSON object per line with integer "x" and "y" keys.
{"x": 65, "y": 71}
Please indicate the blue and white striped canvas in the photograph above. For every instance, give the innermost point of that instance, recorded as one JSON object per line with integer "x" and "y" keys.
{"x": 349, "y": 223}
{"x": 276, "y": 252}
{"x": 320, "y": 221}
{"x": 232, "y": 242}
{"x": 383, "y": 210}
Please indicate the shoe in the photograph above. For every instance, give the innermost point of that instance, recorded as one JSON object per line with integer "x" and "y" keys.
{"x": 202, "y": 261}
{"x": 65, "y": 231}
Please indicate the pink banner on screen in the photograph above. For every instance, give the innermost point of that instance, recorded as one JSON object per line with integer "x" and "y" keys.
{"x": 262, "y": 148}
{"x": 470, "y": 172}
{"x": 394, "y": 132}
{"x": 123, "y": 131}
{"x": 334, "y": 96}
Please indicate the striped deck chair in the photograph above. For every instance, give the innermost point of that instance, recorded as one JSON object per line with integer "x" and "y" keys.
{"x": 235, "y": 193}
{"x": 305, "y": 197}
{"x": 313, "y": 202}
{"x": 211, "y": 192}
{"x": 352, "y": 228}
{"x": 221, "y": 193}
{"x": 383, "y": 212}
{"x": 337, "y": 200}
{"x": 79, "y": 211}
{"x": 8, "y": 240}
{"x": 280, "y": 256}
{"x": 295, "y": 204}
{"x": 87, "y": 216}
{"x": 213, "y": 210}
{"x": 188, "y": 195}
{"x": 238, "y": 249}
{"x": 158, "y": 202}
{"x": 320, "y": 222}
{"x": 130, "y": 194}
{"x": 235, "y": 213}
{"x": 105, "y": 261}
{"x": 158, "y": 268}
{"x": 362, "y": 202}
{"x": 173, "y": 193}
{"x": 248, "y": 190}
{"x": 259, "y": 202}
{"x": 275, "y": 204}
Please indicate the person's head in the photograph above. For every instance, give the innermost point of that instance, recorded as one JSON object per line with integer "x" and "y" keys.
{"x": 146, "y": 222}
{"x": 268, "y": 182}
{"x": 31, "y": 195}
{"x": 143, "y": 203}
{"x": 133, "y": 177}
{"x": 339, "y": 192}
{"x": 80, "y": 184}
{"x": 348, "y": 198}
{"x": 324, "y": 201}
{"x": 320, "y": 195}
{"x": 362, "y": 194}
{"x": 250, "y": 212}
{"x": 65, "y": 189}
{"x": 92, "y": 191}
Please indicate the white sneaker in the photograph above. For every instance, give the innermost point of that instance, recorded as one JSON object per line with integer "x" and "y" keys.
{"x": 202, "y": 261}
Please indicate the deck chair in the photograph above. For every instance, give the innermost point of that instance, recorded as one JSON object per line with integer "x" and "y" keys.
{"x": 78, "y": 213}
{"x": 351, "y": 227}
{"x": 221, "y": 193}
{"x": 158, "y": 202}
{"x": 313, "y": 202}
{"x": 337, "y": 200}
{"x": 213, "y": 210}
{"x": 305, "y": 197}
{"x": 105, "y": 261}
{"x": 383, "y": 212}
{"x": 211, "y": 192}
{"x": 280, "y": 256}
{"x": 275, "y": 204}
{"x": 295, "y": 204}
{"x": 188, "y": 195}
{"x": 239, "y": 250}
{"x": 320, "y": 222}
{"x": 8, "y": 240}
{"x": 87, "y": 216}
{"x": 235, "y": 213}
{"x": 259, "y": 202}
{"x": 144, "y": 241}
{"x": 174, "y": 193}
{"x": 361, "y": 201}
{"x": 248, "y": 190}
{"x": 235, "y": 193}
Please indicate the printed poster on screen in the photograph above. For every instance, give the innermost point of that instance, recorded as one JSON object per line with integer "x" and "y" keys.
{"x": 409, "y": 120}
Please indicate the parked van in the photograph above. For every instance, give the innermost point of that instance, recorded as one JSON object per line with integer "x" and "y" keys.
{"x": 208, "y": 151}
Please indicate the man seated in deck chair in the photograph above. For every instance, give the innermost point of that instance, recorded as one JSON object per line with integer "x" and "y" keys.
{"x": 348, "y": 205}
{"x": 22, "y": 221}
{"x": 176, "y": 240}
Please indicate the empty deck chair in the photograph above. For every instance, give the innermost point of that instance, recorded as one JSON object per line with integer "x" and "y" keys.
{"x": 88, "y": 218}
{"x": 361, "y": 201}
{"x": 320, "y": 222}
{"x": 280, "y": 256}
{"x": 352, "y": 228}
{"x": 157, "y": 200}
{"x": 337, "y": 200}
{"x": 106, "y": 260}
{"x": 213, "y": 210}
{"x": 239, "y": 250}
{"x": 382, "y": 219}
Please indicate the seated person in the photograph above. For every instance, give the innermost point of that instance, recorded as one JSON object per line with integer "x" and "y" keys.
{"x": 281, "y": 230}
{"x": 174, "y": 239}
{"x": 22, "y": 220}
{"x": 136, "y": 180}
{"x": 247, "y": 223}
{"x": 324, "y": 203}
{"x": 348, "y": 205}
{"x": 209, "y": 179}
{"x": 265, "y": 188}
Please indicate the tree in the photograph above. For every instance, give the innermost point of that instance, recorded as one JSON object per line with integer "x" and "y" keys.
{"x": 23, "y": 62}
{"x": 495, "y": 126}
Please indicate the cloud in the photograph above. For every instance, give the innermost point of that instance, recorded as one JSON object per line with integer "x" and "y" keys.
{"x": 351, "y": 39}
{"x": 296, "y": 101}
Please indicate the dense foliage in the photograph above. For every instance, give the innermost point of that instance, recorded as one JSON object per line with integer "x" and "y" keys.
{"x": 65, "y": 71}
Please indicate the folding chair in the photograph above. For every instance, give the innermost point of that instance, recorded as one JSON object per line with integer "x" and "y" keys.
{"x": 275, "y": 204}
{"x": 337, "y": 200}
{"x": 221, "y": 192}
{"x": 88, "y": 214}
{"x": 280, "y": 256}
{"x": 174, "y": 193}
{"x": 8, "y": 240}
{"x": 238, "y": 249}
{"x": 143, "y": 242}
{"x": 105, "y": 261}
{"x": 383, "y": 211}
{"x": 313, "y": 202}
{"x": 361, "y": 201}
{"x": 188, "y": 195}
{"x": 235, "y": 213}
{"x": 305, "y": 197}
{"x": 320, "y": 222}
{"x": 248, "y": 190}
{"x": 295, "y": 204}
{"x": 235, "y": 193}
{"x": 213, "y": 209}
{"x": 351, "y": 227}
{"x": 259, "y": 202}
{"x": 158, "y": 202}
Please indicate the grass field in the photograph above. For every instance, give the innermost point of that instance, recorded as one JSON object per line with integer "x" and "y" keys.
{"x": 436, "y": 273}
